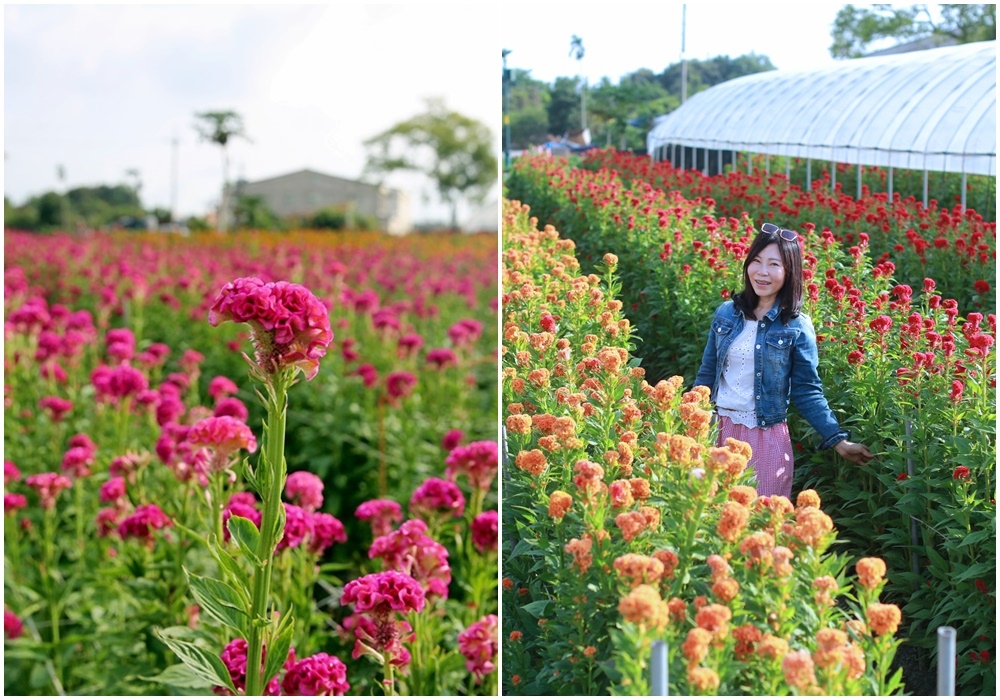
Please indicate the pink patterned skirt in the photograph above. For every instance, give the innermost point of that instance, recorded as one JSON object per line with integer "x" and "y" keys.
{"x": 772, "y": 459}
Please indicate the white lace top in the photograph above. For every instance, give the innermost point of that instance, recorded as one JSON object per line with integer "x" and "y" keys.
{"x": 735, "y": 399}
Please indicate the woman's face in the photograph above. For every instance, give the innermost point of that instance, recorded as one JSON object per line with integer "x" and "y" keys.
{"x": 767, "y": 273}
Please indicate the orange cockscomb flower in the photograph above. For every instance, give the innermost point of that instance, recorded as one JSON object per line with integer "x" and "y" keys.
{"x": 564, "y": 428}
{"x": 744, "y": 495}
{"x": 549, "y": 443}
{"x": 644, "y": 606}
{"x": 725, "y": 589}
{"x": 824, "y": 585}
{"x": 808, "y": 498}
{"x": 854, "y": 660}
{"x": 519, "y": 424}
{"x": 739, "y": 447}
{"x": 780, "y": 506}
{"x": 732, "y": 520}
{"x": 516, "y": 635}
{"x": 757, "y": 548}
{"x": 812, "y": 525}
{"x": 771, "y": 647}
{"x": 621, "y": 494}
{"x": 871, "y": 571}
{"x": 639, "y": 569}
{"x": 580, "y": 549}
{"x": 884, "y": 618}
{"x": 830, "y": 644}
{"x": 590, "y": 652}
{"x": 697, "y": 420}
{"x": 610, "y": 359}
{"x": 640, "y": 489}
{"x": 539, "y": 377}
{"x": 718, "y": 565}
{"x": 724, "y": 459}
{"x": 651, "y": 515}
{"x": 678, "y": 609}
{"x": 544, "y": 422}
{"x": 631, "y": 524}
{"x": 532, "y": 462}
{"x": 695, "y": 647}
{"x": 714, "y": 618}
{"x": 782, "y": 557}
{"x": 664, "y": 392}
{"x": 703, "y": 680}
{"x": 747, "y": 637}
{"x": 515, "y": 408}
{"x": 669, "y": 560}
{"x": 798, "y": 668}
{"x": 559, "y": 503}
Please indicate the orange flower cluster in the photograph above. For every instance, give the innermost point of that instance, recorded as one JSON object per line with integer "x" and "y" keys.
{"x": 683, "y": 450}
{"x": 580, "y": 549}
{"x": 714, "y": 618}
{"x": 824, "y": 586}
{"x": 781, "y": 557}
{"x": 559, "y": 504}
{"x": 544, "y": 422}
{"x": 519, "y": 424}
{"x": 744, "y": 495}
{"x": 640, "y": 489}
{"x": 669, "y": 560}
{"x": 732, "y": 520}
{"x": 621, "y": 494}
{"x": 727, "y": 460}
{"x": 871, "y": 571}
{"x": 678, "y": 609}
{"x": 808, "y": 498}
{"x": 632, "y": 522}
{"x": 780, "y": 506}
{"x": 695, "y": 647}
{"x": 773, "y": 648}
{"x": 588, "y": 477}
{"x": 644, "y": 606}
{"x": 830, "y": 644}
{"x": 811, "y": 525}
{"x": 541, "y": 341}
{"x": 662, "y": 395}
{"x": 539, "y": 377}
{"x": 884, "y": 618}
{"x": 718, "y": 565}
{"x": 725, "y": 589}
{"x": 612, "y": 359}
{"x": 532, "y": 461}
{"x": 757, "y": 548}
{"x": 799, "y": 670}
{"x": 703, "y": 679}
{"x": 639, "y": 569}
{"x": 696, "y": 420}
{"x": 747, "y": 637}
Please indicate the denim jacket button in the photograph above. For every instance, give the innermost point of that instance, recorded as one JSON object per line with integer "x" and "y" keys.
{"x": 758, "y": 347}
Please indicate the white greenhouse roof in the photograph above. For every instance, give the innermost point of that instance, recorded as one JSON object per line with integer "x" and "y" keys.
{"x": 933, "y": 110}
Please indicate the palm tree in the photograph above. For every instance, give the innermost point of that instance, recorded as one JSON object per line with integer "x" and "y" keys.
{"x": 220, "y": 128}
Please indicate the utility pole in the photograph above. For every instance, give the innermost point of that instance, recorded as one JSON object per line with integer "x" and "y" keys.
{"x": 684, "y": 65}
{"x": 506, "y": 109}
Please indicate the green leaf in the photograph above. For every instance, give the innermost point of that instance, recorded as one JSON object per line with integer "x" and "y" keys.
{"x": 201, "y": 663}
{"x": 537, "y": 608}
{"x": 220, "y": 600}
{"x": 277, "y": 650}
{"x": 247, "y": 538}
{"x": 526, "y": 547}
{"x": 178, "y": 676}
{"x": 233, "y": 568}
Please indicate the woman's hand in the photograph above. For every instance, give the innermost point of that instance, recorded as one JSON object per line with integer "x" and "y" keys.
{"x": 853, "y": 451}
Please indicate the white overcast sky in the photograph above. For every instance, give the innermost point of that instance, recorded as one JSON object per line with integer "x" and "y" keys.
{"x": 100, "y": 90}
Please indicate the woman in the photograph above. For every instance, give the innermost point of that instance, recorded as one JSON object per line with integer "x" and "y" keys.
{"x": 761, "y": 351}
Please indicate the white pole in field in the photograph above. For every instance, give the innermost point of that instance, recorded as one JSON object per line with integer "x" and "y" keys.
{"x": 946, "y": 661}
{"x": 659, "y": 669}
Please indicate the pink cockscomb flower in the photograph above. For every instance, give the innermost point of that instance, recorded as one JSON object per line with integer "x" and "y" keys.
{"x": 326, "y": 529}
{"x": 437, "y": 496}
{"x": 234, "y": 657}
{"x": 320, "y": 674}
{"x": 305, "y": 490}
{"x": 290, "y": 326}
{"x": 452, "y": 439}
{"x": 465, "y": 332}
{"x": 141, "y": 524}
{"x": 220, "y": 387}
{"x": 400, "y": 385}
{"x": 48, "y": 486}
{"x": 442, "y": 357}
{"x": 242, "y": 510}
{"x": 107, "y": 521}
{"x": 12, "y": 625}
{"x": 224, "y": 436}
{"x": 478, "y": 644}
{"x": 231, "y": 406}
{"x": 411, "y": 551}
{"x": 485, "y": 532}
{"x": 83, "y": 440}
{"x": 368, "y": 374}
{"x": 77, "y": 461}
{"x": 409, "y": 344}
{"x": 56, "y": 406}
{"x": 477, "y": 460}
{"x": 13, "y": 502}
{"x": 298, "y": 527}
{"x": 382, "y": 513}
{"x": 113, "y": 491}
{"x": 10, "y": 472}
{"x": 384, "y": 592}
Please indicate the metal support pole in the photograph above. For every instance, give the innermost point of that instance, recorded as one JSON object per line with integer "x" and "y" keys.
{"x": 788, "y": 168}
{"x": 861, "y": 175}
{"x": 946, "y": 661}
{"x": 833, "y": 176}
{"x": 963, "y": 189}
{"x": 925, "y": 187}
{"x": 749, "y": 163}
{"x": 682, "y": 156}
{"x": 889, "y": 183}
{"x": 767, "y": 164}
{"x": 809, "y": 176}
{"x": 659, "y": 670}
{"x": 720, "y": 161}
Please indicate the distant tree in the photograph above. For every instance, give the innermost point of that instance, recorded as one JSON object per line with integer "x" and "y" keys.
{"x": 855, "y": 28}
{"x": 220, "y": 128}
{"x": 576, "y": 51}
{"x": 251, "y": 211}
{"x": 455, "y": 151}
{"x": 564, "y": 106}
{"x": 528, "y": 101}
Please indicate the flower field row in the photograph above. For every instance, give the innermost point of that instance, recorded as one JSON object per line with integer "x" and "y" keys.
{"x": 133, "y": 484}
{"x": 904, "y": 368}
{"x": 623, "y": 524}
{"x": 958, "y": 249}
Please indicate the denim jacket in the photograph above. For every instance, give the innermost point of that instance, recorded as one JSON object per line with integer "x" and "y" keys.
{"x": 785, "y": 362}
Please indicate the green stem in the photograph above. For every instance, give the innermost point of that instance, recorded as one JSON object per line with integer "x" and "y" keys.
{"x": 387, "y": 673}
{"x": 271, "y": 478}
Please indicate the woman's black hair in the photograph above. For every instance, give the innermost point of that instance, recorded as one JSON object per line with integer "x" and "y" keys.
{"x": 790, "y": 295}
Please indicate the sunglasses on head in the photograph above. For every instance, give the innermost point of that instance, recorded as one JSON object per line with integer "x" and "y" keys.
{"x": 783, "y": 232}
